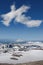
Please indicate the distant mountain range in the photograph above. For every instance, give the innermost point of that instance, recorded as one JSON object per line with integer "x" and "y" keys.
{"x": 17, "y": 41}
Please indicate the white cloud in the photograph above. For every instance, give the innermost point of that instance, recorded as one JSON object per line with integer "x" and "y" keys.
{"x": 19, "y": 17}
{"x": 19, "y": 40}
{"x": 9, "y": 16}
{"x": 27, "y": 21}
{"x": 33, "y": 23}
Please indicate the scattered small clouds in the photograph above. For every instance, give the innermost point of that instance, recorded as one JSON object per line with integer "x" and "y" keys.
{"x": 18, "y": 16}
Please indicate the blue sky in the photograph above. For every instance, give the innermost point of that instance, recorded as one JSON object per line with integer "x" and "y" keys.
{"x": 21, "y": 19}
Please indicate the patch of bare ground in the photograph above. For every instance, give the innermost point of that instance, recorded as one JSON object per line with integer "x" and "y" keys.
{"x": 14, "y": 58}
{"x": 16, "y": 55}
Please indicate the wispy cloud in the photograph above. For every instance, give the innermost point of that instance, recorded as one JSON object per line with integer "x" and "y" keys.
{"x": 19, "y": 40}
{"x": 18, "y": 16}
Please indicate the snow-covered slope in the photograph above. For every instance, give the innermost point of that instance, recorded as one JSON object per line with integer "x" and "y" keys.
{"x": 21, "y": 53}
{"x": 28, "y": 56}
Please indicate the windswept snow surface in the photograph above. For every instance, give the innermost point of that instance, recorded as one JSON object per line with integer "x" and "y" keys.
{"x": 28, "y": 56}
